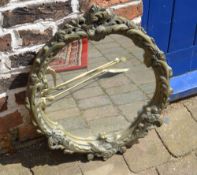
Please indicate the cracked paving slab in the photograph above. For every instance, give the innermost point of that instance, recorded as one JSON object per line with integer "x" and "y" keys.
{"x": 179, "y": 133}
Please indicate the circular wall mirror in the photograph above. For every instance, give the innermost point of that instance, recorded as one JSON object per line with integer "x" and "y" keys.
{"x": 107, "y": 106}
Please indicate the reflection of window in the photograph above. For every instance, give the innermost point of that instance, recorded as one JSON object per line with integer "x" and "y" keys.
{"x": 74, "y": 56}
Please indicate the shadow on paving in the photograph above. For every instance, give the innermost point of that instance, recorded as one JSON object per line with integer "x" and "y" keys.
{"x": 40, "y": 154}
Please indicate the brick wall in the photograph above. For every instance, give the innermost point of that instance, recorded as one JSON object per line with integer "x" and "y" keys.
{"x": 25, "y": 25}
{"x": 131, "y": 9}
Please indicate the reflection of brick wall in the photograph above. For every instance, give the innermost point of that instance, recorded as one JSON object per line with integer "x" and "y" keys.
{"x": 25, "y": 25}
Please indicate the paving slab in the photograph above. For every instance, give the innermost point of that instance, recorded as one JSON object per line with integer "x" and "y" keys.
{"x": 138, "y": 52}
{"x": 94, "y": 53}
{"x": 113, "y": 166}
{"x": 148, "y": 88}
{"x": 191, "y": 105}
{"x": 64, "y": 113}
{"x": 126, "y": 98}
{"x": 72, "y": 170}
{"x": 95, "y": 61}
{"x": 88, "y": 84}
{"x": 139, "y": 74}
{"x": 14, "y": 169}
{"x": 82, "y": 132}
{"x": 45, "y": 170}
{"x": 179, "y": 134}
{"x": 57, "y": 170}
{"x": 147, "y": 154}
{"x": 115, "y": 81}
{"x": 119, "y": 50}
{"x": 131, "y": 58}
{"x": 100, "y": 112}
{"x": 88, "y": 92}
{"x": 109, "y": 124}
{"x": 103, "y": 46}
{"x": 125, "y": 42}
{"x": 151, "y": 171}
{"x": 130, "y": 110}
{"x": 63, "y": 103}
{"x": 121, "y": 89}
{"x": 107, "y": 39}
{"x": 72, "y": 123}
{"x": 94, "y": 102}
{"x": 183, "y": 166}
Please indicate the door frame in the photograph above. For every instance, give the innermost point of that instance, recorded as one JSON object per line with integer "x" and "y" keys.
{"x": 158, "y": 24}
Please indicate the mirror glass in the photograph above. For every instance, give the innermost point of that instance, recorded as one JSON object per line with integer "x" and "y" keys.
{"x": 103, "y": 96}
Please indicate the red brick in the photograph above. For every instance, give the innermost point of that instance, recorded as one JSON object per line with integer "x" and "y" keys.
{"x": 5, "y": 43}
{"x": 6, "y": 143}
{"x": 3, "y": 2}
{"x": 24, "y": 59}
{"x": 32, "y": 13}
{"x": 130, "y": 12}
{"x": 10, "y": 121}
{"x": 3, "y": 103}
{"x": 15, "y": 81}
{"x": 27, "y": 132}
{"x": 85, "y": 4}
{"x": 32, "y": 37}
{"x": 20, "y": 97}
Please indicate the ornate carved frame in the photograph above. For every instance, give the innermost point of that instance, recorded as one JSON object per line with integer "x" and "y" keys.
{"x": 95, "y": 25}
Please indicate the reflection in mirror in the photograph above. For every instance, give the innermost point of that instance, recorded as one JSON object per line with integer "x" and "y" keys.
{"x": 107, "y": 97}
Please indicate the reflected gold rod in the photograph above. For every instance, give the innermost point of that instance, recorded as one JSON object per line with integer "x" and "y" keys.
{"x": 100, "y": 68}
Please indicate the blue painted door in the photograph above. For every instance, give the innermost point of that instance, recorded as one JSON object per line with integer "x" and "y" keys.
{"x": 173, "y": 24}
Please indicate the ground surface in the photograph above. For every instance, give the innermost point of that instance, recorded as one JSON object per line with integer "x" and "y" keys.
{"x": 168, "y": 150}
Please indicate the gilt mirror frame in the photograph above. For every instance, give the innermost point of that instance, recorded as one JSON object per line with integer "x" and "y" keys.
{"x": 95, "y": 25}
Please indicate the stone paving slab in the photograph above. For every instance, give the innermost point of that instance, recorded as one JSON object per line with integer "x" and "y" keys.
{"x": 103, "y": 46}
{"x": 57, "y": 170}
{"x": 119, "y": 50}
{"x": 147, "y": 154}
{"x": 113, "y": 166}
{"x": 141, "y": 75}
{"x": 137, "y": 52}
{"x": 14, "y": 169}
{"x": 130, "y": 58}
{"x": 130, "y": 97}
{"x": 64, "y": 103}
{"x": 88, "y": 92}
{"x": 38, "y": 159}
{"x": 62, "y": 114}
{"x": 95, "y": 53}
{"x": 97, "y": 60}
{"x": 82, "y": 132}
{"x": 149, "y": 172}
{"x": 94, "y": 102}
{"x": 191, "y": 105}
{"x": 183, "y": 166}
{"x": 115, "y": 81}
{"x": 179, "y": 134}
{"x": 72, "y": 123}
{"x": 109, "y": 124}
{"x": 148, "y": 88}
{"x": 100, "y": 112}
{"x": 121, "y": 89}
{"x": 130, "y": 110}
